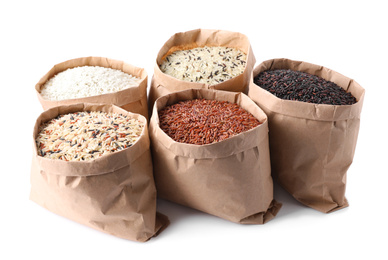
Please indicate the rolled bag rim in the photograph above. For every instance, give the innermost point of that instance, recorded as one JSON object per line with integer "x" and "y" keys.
{"x": 99, "y": 166}
{"x": 196, "y": 36}
{"x": 247, "y": 140}
{"x": 299, "y": 109}
{"x": 119, "y": 98}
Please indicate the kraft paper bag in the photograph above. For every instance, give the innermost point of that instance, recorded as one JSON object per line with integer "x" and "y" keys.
{"x": 311, "y": 145}
{"x": 114, "y": 193}
{"x": 230, "y": 179}
{"x": 133, "y": 99}
{"x": 162, "y": 83}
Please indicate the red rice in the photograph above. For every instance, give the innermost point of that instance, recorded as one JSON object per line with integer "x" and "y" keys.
{"x": 202, "y": 121}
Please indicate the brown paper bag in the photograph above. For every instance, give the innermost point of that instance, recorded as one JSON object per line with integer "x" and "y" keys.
{"x": 115, "y": 193}
{"x": 312, "y": 145}
{"x": 230, "y": 179}
{"x": 133, "y": 99}
{"x": 162, "y": 83}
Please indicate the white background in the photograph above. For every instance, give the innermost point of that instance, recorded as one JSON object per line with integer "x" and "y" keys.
{"x": 349, "y": 37}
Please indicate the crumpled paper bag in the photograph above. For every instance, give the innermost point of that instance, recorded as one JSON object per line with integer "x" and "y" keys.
{"x": 114, "y": 193}
{"x": 230, "y": 179}
{"x": 311, "y": 145}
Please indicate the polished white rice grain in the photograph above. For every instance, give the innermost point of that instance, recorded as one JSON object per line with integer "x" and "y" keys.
{"x": 87, "y": 81}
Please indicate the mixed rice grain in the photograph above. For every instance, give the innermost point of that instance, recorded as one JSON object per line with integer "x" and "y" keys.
{"x": 202, "y": 121}
{"x": 211, "y": 65}
{"x": 85, "y": 136}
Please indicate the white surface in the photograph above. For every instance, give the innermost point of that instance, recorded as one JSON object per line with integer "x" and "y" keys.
{"x": 349, "y": 37}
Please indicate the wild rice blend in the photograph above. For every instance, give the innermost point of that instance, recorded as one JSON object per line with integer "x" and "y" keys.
{"x": 86, "y": 135}
{"x": 211, "y": 65}
{"x": 202, "y": 121}
{"x": 302, "y": 86}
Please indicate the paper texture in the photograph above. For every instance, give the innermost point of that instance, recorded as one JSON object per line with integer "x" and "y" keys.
{"x": 311, "y": 145}
{"x": 115, "y": 193}
{"x": 133, "y": 99}
{"x": 162, "y": 83}
{"x": 230, "y": 179}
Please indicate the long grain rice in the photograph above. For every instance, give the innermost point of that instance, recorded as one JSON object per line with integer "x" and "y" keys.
{"x": 211, "y": 65}
{"x": 86, "y": 135}
{"x": 202, "y": 121}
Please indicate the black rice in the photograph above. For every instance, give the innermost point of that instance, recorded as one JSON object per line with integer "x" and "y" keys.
{"x": 301, "y": 86}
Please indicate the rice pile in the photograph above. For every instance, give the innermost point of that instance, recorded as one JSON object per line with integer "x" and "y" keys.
{"x": 86, "y": 81}
{"x": 86, "y": 135}
{"x": 211, "y": 65}
{"x": 202, "y": 121}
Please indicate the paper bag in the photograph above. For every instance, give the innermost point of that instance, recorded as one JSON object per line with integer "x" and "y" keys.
{"x": 114, "y": 193}
{"x": 133, "y": 99}
{"x": 162, "y": 83}
{"x": 230, "y": 179}
{"x": 311, "y": 145}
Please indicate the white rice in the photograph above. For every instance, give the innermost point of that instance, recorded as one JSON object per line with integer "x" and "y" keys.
{"x": 211, "y": 65}
{"x": 86, "y": 81}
